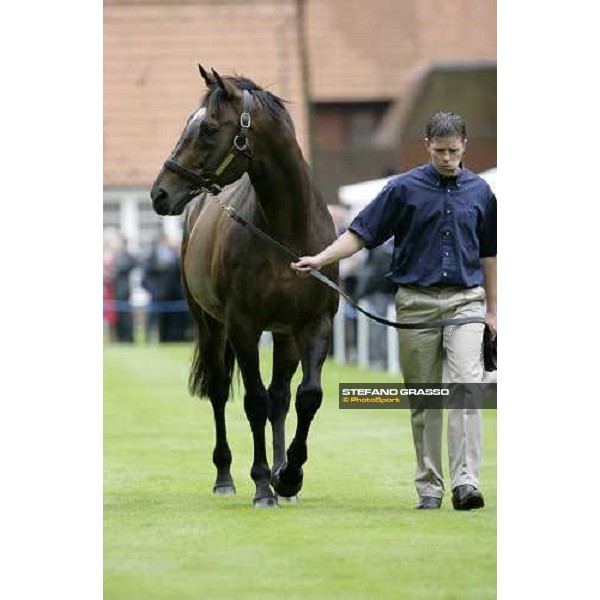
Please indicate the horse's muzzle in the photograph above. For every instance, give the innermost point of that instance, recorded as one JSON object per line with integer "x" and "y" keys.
{"x": 160, "y": 201}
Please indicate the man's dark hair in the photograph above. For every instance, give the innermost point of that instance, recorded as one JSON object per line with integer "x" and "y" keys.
{"x": 446, "y": 124}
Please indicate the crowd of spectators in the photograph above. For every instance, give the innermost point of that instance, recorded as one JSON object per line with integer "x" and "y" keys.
{"x": 155, "y": 279}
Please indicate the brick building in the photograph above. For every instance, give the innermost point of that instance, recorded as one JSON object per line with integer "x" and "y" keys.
{"x": 361, "y": 76}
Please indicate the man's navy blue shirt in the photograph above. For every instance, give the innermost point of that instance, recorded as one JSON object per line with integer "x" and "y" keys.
{"x": 442, "y": 227}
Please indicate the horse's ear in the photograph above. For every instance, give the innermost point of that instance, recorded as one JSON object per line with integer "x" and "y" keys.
{"x": 227, "y": 86}
{"x": 207, "y": 78}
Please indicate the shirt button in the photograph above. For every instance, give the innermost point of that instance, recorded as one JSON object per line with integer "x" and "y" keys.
{"x": 446, "y": 233}
{"x": 446, "y": 253}
{"x": 445, "y": 274}
{"x": 448, "y": 212}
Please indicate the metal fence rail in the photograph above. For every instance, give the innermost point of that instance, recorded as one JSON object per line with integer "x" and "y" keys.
{"x": 353, "y": 333}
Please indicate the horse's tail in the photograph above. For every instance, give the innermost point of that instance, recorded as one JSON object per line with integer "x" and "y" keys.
{"x": 213, "y": 361}
{"x": 202, "y": 380}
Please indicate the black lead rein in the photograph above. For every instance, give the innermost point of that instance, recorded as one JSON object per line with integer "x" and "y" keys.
{"x": 323, "y": 279}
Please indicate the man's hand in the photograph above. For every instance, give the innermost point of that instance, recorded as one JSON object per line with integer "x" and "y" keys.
{"x": 346, "y": 245}
{"x": 304, "y": 264}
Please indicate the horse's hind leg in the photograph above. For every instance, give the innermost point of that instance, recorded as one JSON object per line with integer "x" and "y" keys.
{"x": 313, "y": 342}
{"x": 218, "y": 394}
{"x": 285, "y": 362}
{"x": 211, "y": 374}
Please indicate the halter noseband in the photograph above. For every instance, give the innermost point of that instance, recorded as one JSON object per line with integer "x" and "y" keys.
{"x": 206, "y": 181}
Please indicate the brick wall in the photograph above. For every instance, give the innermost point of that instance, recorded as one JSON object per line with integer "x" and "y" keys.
{"x": 151, "y": 80}
{"x": 469, "y": 91}
{"x": 358, "y": 51}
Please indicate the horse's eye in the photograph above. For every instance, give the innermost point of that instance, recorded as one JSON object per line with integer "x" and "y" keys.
{"x": 208, "y": 129}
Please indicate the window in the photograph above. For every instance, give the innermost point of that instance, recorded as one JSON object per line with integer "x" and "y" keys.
{"x": 112, "y": 214}
{"x": 340, "y": 125}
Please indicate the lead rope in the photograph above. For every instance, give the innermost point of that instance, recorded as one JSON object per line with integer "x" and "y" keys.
{"x": 326, "y": 281}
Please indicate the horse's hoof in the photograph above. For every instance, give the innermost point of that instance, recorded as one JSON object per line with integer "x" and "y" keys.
{"x": 289, "y": 499}
{"x": 286, "y": 482}
{"x": 266, "y": 502}
{"x": 224, "y": 489}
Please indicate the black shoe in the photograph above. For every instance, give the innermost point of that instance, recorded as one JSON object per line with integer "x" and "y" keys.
{"x": 466, "y": 497}
{"x": 427, "y": 502}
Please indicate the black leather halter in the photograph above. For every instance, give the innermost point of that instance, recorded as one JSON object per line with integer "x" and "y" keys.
{"x": 206, "y": 181}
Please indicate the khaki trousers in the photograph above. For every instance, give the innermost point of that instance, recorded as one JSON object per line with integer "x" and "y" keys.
{"x": 422, "y": 355}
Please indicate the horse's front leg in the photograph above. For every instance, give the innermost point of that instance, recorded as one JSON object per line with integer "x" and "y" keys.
{"x": 256, "y": 406}
{"x": 313, "y": 341}
{"x": 285, "y": 363}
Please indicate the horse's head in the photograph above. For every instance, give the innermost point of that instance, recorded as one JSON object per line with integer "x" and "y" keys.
{"x": 214, "y": 149}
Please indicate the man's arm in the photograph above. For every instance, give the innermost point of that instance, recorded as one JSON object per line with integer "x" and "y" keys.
{"x": 346, "y": 245}
{"x": 489, "y": 283}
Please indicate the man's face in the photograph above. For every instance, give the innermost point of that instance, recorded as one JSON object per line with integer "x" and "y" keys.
{"x": 446, "y": 153}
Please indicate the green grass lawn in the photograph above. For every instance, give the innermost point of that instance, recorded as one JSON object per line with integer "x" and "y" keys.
{"x": 354, "y": 533}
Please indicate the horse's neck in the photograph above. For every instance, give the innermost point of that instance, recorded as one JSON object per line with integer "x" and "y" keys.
{"x": 287, "y": 195}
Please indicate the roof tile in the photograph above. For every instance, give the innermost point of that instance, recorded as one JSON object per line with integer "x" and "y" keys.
{"x": 357, "y": 51}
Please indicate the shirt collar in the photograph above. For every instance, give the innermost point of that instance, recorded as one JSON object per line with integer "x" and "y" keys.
{"x": 439, "y": 178}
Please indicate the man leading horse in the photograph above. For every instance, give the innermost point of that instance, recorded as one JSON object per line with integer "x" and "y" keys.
{"x": 443, "y": 220}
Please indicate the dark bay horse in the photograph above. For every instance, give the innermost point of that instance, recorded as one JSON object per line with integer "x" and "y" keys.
{"x": 240, "y": 144}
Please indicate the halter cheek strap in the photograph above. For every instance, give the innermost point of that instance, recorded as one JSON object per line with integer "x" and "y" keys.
{"x": 206, "y": 181}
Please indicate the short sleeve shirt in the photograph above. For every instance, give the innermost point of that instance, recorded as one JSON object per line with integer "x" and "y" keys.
{"x": 442, "y": 227}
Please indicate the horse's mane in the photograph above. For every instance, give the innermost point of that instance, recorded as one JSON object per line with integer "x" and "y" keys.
{"x": 215, "y": 98}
